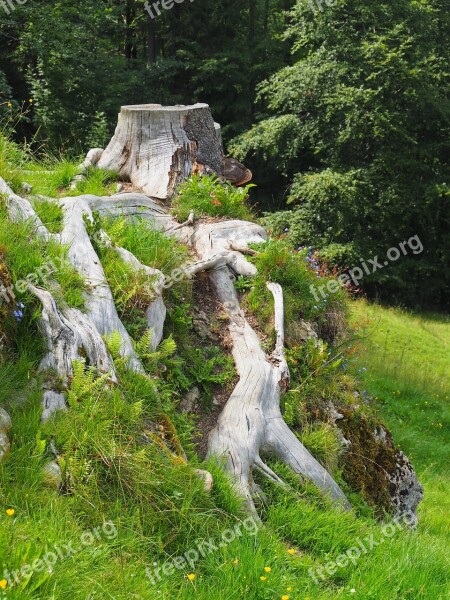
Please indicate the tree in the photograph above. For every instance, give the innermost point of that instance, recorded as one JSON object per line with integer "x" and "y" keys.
{"x": 358, "y": 126}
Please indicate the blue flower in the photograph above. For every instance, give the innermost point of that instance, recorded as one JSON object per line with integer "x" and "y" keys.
{"x": 18, "y": 312}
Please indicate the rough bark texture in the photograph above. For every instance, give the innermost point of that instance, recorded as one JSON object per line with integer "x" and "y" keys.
{"x": 157, "y": 147}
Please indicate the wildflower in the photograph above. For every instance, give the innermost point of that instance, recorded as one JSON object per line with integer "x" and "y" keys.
{"x": 284, "y": 597}
{"x": 3, "y": 584}
{"x": 291, "y": 551}
{"x": 191, "y": 576}
{"x": 289, "y": 589}
{"x": 30, "y": 100}
{"x": 267, "y": 569}
{"x": 9, "y": 105}
{"x": 263, "y": 578}
{"x": 235, "y": 561}
{"x": 10, "y": 512}
{"x": 353, "y": 591}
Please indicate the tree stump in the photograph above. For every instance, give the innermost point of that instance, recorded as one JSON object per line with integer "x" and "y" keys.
{"x": 156, "y": 147}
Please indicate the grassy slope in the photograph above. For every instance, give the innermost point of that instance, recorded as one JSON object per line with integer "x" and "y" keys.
{"x": 407, "y": 357}
{"x": 165, "y": 512}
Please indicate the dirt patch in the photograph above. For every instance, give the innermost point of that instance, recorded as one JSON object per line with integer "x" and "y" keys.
{"x": 211, "y": 310}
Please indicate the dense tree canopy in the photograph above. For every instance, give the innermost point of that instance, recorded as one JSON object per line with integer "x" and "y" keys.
{"x": 359, "y": 125}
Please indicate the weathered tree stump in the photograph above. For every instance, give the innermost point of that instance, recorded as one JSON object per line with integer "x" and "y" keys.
{"x": 157, "y": 147}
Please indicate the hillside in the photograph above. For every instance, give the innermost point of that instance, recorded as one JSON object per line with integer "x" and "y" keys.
{"x": 103, "y": 500}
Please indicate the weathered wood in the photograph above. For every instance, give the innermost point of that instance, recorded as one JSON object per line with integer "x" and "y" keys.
{"x": 157, "y": 147}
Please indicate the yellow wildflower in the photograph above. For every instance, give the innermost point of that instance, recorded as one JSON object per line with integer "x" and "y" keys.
{"x": 3, "y": 584}
{"x": 10, "y": 512}
{"x": 291, "y": 551}
{"x": 191, "y": 576}
{"x": 263, "y": 578}
{"x": 267, "y": 569}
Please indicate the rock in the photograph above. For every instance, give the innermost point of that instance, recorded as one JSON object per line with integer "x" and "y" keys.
{"x": 202, "y": 326}
{"x": 207, "y": 478}
{"x": 405, "y": 490}
{"x": 5, "y": 421}
{"x": 52, "y": 402}
{"x": 373, "y": 465}
{"x": 53, "y": 475}
{"x": 76, "y": 180}
{"x": 5, "y": 426}
{"x": 119, "y": 187}
{"x": 300, "y": 332}
{"x": 190, "y": 402}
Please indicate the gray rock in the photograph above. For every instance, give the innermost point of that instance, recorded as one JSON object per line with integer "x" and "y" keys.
{"x": 405, "y": 491}
{"x": 5, "y": 421}
{"x": 208, "y": 481}
{"x": 52, "y": 402}
{"x": 190, "y": 402}
{"x": 53, "y": 475}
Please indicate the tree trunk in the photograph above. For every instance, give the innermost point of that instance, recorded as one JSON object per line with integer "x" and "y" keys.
{"x": 157, "y": 147}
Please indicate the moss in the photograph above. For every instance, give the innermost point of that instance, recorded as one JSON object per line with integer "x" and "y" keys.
{"x": 369, "y": 461}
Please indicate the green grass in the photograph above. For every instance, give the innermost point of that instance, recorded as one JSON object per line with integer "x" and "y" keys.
{"x": 160, "y": 511}
{"x": 206, "y": 196}
{"x": 115, "y": 469}
{"x": 30, "y": 258}
{"x": 49, "y": 175}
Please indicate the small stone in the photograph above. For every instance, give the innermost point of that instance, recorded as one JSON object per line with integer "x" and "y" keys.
{"x": 4, "y": 444}
{"x": 53, "y": 475}
{"x": 189, "y": 403}
{"x": 207, "y": 478}
{"x": 5, "y": 421}
{"x": 52, "y": 402}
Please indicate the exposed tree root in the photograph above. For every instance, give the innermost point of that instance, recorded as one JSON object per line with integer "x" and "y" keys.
{"x": 251, "y": 423}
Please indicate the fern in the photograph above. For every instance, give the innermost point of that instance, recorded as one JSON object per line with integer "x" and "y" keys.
{"x": 114, "y": 344}
{"x": 150, "y": 358}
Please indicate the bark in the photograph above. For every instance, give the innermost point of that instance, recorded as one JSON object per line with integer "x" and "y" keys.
{"x": 157, "y": 147}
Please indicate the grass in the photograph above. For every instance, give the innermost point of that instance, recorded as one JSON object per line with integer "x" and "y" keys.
{"x": 30, "y": 258}
{"x": 160, "y": 512}
{"x": 207, "y": 196}
{"x": 117, "y": 471}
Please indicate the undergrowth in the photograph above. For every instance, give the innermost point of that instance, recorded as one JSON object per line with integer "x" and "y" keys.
{"x": 207, "y": 196}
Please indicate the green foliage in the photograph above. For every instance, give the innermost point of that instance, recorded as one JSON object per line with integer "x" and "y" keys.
{"x": 150, "y": 246}
{"x": 132, "y": 288}
{"x": 43, "y": 262}
{"x": 50, "y": 213}
{"x": 276, "y": 262}
{"x": 206, "y": 195}
{"x": 12, "y": 160}
{"x": 358, "y": 127}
